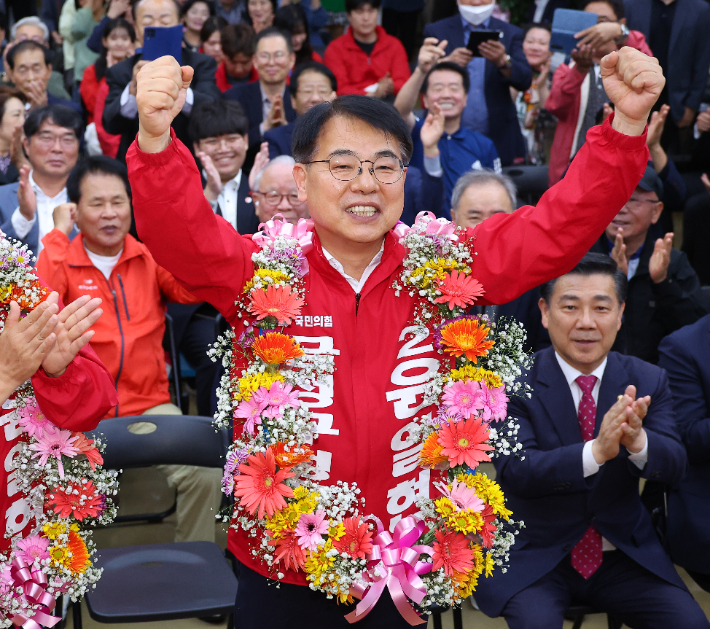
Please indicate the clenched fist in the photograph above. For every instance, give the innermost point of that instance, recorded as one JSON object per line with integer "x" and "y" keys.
{"x": 633, "y": 82}
{"x": 160, "y": 94}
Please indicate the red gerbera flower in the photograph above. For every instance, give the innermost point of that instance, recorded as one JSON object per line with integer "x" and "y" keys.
{"x": 488, "y": 530}
{"x": 82, "y": 500}
{"x": 465, "y": 442}
{"x": 259, "y": 484}
{"x": 452, "y": 551}
{"x": 459, "y": 290}
{"x": 357, "y": 541}
{"x": 275, "y": 302}
{"x": 87, "y": 448}
{"x": 288, "y": 549}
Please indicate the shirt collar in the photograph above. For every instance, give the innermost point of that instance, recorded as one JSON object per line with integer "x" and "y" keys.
{"x": 571, "y": 374}
{"x": 468, "y": 27}
{"x": 368, "y": 270}
{"x": 41, "y": 192}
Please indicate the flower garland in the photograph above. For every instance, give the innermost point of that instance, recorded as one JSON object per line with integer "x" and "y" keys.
{"x": 59, "y": 473}
{"x": 436, "y": 556}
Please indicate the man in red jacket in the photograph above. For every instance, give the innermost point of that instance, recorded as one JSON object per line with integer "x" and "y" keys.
{"x": 366, "y": 60}
{"x": 364, "y": 409}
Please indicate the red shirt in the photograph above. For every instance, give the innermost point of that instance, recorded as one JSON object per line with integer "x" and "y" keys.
{"x": 364, "y": 409}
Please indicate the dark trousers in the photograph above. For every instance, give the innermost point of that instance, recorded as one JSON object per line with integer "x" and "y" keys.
{"x": 198, "y": 336}
{"x": 639, "y": 598}
{"x": 261, "y": 604}
{"x": 403, "y": 26}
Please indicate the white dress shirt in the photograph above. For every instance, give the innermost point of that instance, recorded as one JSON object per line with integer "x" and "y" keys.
{"x": 129, "y": 106}
{"x": 45, "y": 210}
{"x": 265, "y": 109}
{"x": 356, "y": 284}
{"x": 104, "y": 264}
{"x": 540, "y": 6}
{"x": 227, "y": 200}
{"x": 589, "y": 463}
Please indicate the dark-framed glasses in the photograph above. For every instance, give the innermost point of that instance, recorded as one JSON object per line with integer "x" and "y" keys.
{"x": 386, "y": 169}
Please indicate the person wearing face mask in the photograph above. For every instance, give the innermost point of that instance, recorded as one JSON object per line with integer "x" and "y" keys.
{"x": 501, "y": 65}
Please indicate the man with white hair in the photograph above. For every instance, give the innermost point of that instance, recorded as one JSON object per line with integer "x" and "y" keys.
{"x": 275, "y": 192}
{"x": 478, "y": 195}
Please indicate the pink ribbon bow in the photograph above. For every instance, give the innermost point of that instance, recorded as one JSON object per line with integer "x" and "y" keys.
{"x": 394, "y": 564}
{"x": 34, "y": 585}
{"x": 277, "y": 226}
{"x": 401, "y": 230}
{"x": 438, "y": 226}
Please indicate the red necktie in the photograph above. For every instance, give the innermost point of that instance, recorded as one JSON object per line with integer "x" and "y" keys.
{"x": 587, "y": 553}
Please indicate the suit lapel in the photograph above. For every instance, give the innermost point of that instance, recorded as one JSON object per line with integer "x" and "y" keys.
{"x": 678, "y": 27}
{"x": 614, "y": 383}
{"x": 557, "y": 400}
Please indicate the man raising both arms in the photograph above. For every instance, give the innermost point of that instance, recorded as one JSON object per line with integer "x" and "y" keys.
{"x": 353, "y": 263}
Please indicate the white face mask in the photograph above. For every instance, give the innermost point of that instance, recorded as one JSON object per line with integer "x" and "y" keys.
{"x": 476, "y": 15}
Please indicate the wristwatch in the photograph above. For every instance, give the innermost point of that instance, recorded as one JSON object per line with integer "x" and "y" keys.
{"x": 506, "y": 64}
{"x": 619, "y": 41}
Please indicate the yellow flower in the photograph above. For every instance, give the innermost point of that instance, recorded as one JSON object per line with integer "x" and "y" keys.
{"x": 435, "y": 270}
{"x": 469, "y": 372}
{"x": 318, "y": 564}
{"x": 300, "y": 493}
{"x": 444, "y": 507}
{"x": 266, "y": 276}
{"x": 336, "y": 531}
{"x": 52, "y": 530}
{"x": 489, "y": 564}
{"x": 250, "y": 384}
{"x": 345, "y": 598}
{"x": 465, "y": 521}
{"x": 59, "y": 554}
{"x": 487, "y": 490}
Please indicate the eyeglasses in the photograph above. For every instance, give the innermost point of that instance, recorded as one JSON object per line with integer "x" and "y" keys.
{"x": 346, "y": 167}
{"x": 265, "y": 57}
{"x": 274, "y": 199}
{"x": 636, "y": 204}
{"x": 308, "y": 93}
{"x": 48, "y": 140}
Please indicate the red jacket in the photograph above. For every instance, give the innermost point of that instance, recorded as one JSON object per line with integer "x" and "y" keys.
{"x": 108, "y": 141}
{"x": 355, "y": 70}
{"x": 377, "y": 387}
{"x": 89, "y": 88}
{"x": 129, "y": 335}
{"x": 564, "y": 102}
{"x": 76, "y": 400}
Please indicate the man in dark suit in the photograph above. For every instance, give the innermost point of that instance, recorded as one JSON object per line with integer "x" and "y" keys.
{"x": 502, "y": 65}
{"x": 267, "y": 102}
{"x": 595, "y": 424}
{"x": 121, "y": 111}
{"x": 218, "y": 131}
{"x": 685, "y": 355}
{"x": 677, "y": 32}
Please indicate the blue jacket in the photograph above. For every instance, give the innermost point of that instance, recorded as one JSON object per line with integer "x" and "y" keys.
{"x": 685, "y": 355}
{"x": 547, "y": 489}
{"x": 279, "y": 140}
{"x": 688, "y": 50}
{"x": 503, "y": 125}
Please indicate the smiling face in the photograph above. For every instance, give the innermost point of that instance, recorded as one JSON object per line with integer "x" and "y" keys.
{"x": 53, "y": 150}
{"x": 360, "y": 211}
{"x": 536, "y": 46}
{"x": 313, "y": 88}
{"x": 479, "y": 202}
{"x": 278, "y": 194}
{"x": 641, "y": 211}
{"x": 103, "y": 213}
{"x": 583, "y": 317}
{"x": 227, "y": 153}
{"x": 118, "y": 43}
{"x": 445, "y": 88}
{"x": 273, "y": 60}
{"x": 260, "y": 11}
{"x": 13, "y": 117}
{"x": 196, "y": 16}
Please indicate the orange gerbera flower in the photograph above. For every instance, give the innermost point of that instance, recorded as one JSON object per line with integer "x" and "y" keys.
{"x": 357, "y": 541}
{"x": 275, "y": 348}
{"x": 288, "y": 549}
{"x": 275, "y": 302}
{"x": 294, "y": 456}
{"x": 466, "y": 336}
{"x": 259, "y": 484}
{"x": 430, "y": 455}
{"x": 458, "y": 290}
{"x": 79, "y": 560}
{"x": 451, "y": 550}
{"x": 464, "y": 442}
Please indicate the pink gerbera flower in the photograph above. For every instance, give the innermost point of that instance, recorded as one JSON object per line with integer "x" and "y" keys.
{"x": 458, "y": 290}
{"x": 33, "y": 547}
{"x": 34, "y": 421}
{"x": 495, "y": 403}
{"x": 310, "y": 529}
{"x": 276, "y": 398}
{"x": 464, "y": 398}
{"x": 463, "y": 496}
{"x": 465, "y": 442}
{"x": 55, "y": 445}
{"x": 250, "y": 410}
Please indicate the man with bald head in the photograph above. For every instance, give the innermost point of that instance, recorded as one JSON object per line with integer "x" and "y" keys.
{"x": 121, "y": 111}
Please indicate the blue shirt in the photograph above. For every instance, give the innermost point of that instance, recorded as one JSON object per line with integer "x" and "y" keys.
{"x": 460, "y": 152}
{"x": 475, "y": 115}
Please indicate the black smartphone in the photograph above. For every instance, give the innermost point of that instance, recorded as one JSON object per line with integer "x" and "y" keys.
{"x": 478, "y": 37}
{"x": 159, "y": 41}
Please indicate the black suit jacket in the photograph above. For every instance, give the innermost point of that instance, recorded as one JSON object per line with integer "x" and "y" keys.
{"x": 547, "y": 488}
{"x": 120, "y": 75}
{"x": 503, "y": 126}
{"x": 279, "y": 140}
{"x": 247, "y": 221}
{"x": 685, "y": 355}
{"x": 688, "y": 50}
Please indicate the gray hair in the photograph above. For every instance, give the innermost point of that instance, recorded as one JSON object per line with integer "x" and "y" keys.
{"x": 480, "y": 177}
{"x": 287, "y": 160}
{"x": 30, "y": 21}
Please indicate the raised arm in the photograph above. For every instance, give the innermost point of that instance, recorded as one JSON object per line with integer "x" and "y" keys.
{"x": 519, "y": 251}
{"x": 173, "y": 218}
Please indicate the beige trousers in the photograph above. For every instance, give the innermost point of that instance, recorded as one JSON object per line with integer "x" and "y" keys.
{"x": 198, "y": 489}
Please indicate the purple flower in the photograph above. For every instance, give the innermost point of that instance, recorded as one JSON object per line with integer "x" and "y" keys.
{"x": 231, "y": 468}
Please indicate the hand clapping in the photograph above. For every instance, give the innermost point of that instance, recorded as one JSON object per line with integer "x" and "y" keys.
{"x": 622, "y": 425}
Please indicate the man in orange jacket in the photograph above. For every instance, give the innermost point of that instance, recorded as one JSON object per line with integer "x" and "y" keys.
{"x": 106, "y": 261}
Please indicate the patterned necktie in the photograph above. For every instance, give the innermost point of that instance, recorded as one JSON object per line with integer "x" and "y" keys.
{"x": 587, "y": 553}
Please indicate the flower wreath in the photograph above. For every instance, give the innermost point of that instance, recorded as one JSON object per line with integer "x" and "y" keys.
{"x": 60, "y": 474}
{"x": 434, "y": 558}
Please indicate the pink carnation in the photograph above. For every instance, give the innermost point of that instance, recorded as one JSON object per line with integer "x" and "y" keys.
{"x": 464, "y": 398}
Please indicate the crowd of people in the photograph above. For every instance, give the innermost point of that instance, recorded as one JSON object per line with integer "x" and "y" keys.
{"x": 624, "y": 331}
